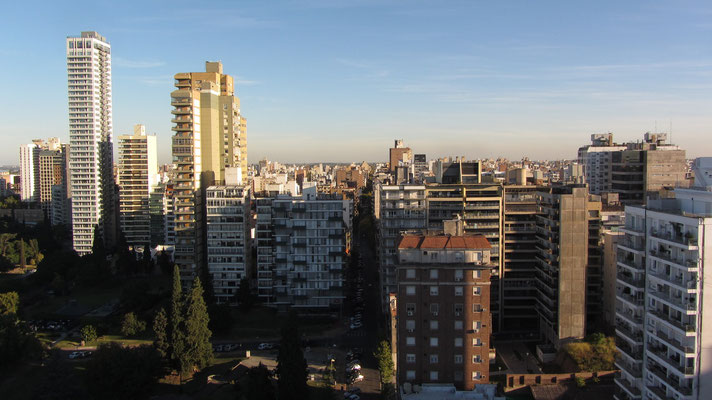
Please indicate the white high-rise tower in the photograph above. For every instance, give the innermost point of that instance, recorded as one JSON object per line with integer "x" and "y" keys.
{"x": 90, "y": 130}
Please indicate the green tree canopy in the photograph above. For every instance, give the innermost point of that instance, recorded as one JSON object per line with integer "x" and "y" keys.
{"x": 9, "y": 303}
{"x": 88, "y": 333}
{"x": 197, "y": 333}
{"x": 131, "y": 325}
{"x": 385, "y": 362}
{"x": 160, "y": 324}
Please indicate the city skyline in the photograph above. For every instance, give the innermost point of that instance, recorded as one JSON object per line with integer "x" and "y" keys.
{"x": 358, "y": 73}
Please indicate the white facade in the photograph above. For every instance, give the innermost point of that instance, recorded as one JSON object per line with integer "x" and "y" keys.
{"x": 90, "y": 136}
{"x": 227, "y": 233}
{"x": 137, "y": 175}
{"x": 596, "y": 161}
{"x": 663, "y": 318}
{"x": 29, "y": 172}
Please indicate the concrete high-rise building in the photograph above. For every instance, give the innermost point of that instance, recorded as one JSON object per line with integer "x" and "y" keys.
{"x": 29, "y": 172}
{"x": 228, "y": 227}
{"x": 568, "y": 276}
{"x": 90, "y": 137}
{"x": 662, "y": 313}
{"x": 301, "y": 251}
{"x": 634, "y": 170}
{"x": 210, "y": 135}
{"x": 137, "y": 176}
{"x": 443, "y": 319}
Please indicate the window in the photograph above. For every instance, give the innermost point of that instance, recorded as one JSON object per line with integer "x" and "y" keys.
{"x": 410, "y": 358}
{"x": 433, "y": 375}
{"x": 458, "y": 342}
{"x": 476, "y": 291}
{"x": 434, "y": 308}
{"x": 476, "y": 342}
{"x": 434, "y": 325}
{"x": 458, "y": 325}
{"x": 433, "y": 290}
{"x": 433, "y": 358}
{"x": 477, "y": 308}
{"x": 433, "y": 342}
{"x": 410, "y": 273}
{"x": 476, "y": 376}
{"x": 458, "y": 377}
{"x": 433, "y": 274}
{"x": 458, "y": 309}
{"x": 477, "y": 274}
{"x": 476, "y": 359}
{"x": 410, "y": 290}
{"x": 476, "y": 325}
{"x": 458, "y": 291}
{"x": 410, "y": 309}
{"x": 458, "y": 275}
{"x": 458, "y": 358}
{"x": 410, "y": 325}
{"x": 410, "y": 341}
{"x": 410, "y": 374}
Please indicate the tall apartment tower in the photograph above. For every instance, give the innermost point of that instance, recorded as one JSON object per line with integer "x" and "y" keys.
{"x": 663, "y": 316}
{"x": 90, "y": 137}
{"x": 442, "y": 308}
{"x": 568, "y": 275}
{"x": 399, "y": 153}
{"x": 137, "y": 176}
{"x": 210, "y": 135}
{"x": 29, "y": 172}
{"x": 228, "y": 211}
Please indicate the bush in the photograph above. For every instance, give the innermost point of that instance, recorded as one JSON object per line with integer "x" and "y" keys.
{"x": 88, "y": 333}
{"x": 580, "y": 382}
{"x": 131, "y": 325}
{"x": 598, "y": 353}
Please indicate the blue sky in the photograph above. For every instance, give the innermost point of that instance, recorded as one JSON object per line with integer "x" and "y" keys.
{"x": 339, "y": 80}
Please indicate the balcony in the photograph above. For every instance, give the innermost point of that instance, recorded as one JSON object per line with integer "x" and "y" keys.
{"x": 630, "y": 280}
{"x": 631, "y": 246}
{"x": 684, "y": 305}
{"x": 630, "y": 317}
{"x": 630, "y": 334}
{"x": 628, "y": 388}
{"x": 672, "y": 342}
{"x": 687, "y": 329}
{"x": 679, "y": 281}
{"x": 661, "y": 353}
{"x": 678, "y": 261}
{"x": 632, "y": 300}
{"x": 688, "y": 242}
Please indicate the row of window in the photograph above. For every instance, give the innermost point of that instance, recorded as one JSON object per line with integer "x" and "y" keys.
{"x": 434, "y": 376}
{"x": 435, "y": 308}
{"x": 434, "y": 325}
{"x": 434, "y": 274}
{"x": 435, "y": 290}
{"x": 434, "y": 358}
{"x": 434, "y": 341}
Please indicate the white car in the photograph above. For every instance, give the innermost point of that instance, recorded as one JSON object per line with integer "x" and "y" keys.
{"x": 76, "y": 354}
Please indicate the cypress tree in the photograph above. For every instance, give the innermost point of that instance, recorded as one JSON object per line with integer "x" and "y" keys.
{"x": 160, "y": 324}
{"x": 197, "y": 333}
{"x": 177, "y": 336}
{"x": 291, "y": 365}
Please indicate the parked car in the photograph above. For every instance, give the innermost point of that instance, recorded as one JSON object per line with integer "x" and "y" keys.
{"x": 265, "y": 346}
{"x": 75, "y": 354}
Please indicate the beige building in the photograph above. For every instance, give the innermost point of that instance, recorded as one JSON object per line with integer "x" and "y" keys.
{"x": 137, "y": 175}
{"x": 568, "y": 271}
{"x": 210, "y": 135}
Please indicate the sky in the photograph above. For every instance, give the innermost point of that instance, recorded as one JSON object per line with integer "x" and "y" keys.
{"x": 338, "y": 81}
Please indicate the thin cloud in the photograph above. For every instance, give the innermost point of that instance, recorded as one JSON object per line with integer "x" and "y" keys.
{"x": 122, "y": 62}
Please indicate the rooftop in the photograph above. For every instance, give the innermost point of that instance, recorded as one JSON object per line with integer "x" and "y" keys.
{"x": 443, "y": 242}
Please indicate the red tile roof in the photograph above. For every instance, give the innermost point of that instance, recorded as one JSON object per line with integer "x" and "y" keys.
{"x": 443, "y": 242}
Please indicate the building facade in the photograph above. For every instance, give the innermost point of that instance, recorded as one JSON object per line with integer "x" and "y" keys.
{"x": 301, "y": 251}
{"x": 228, "y": 246}
{"x": 662, "y": 313}
{"x": 29, "y": 173}
{"x": 137, "y": 176}
{"x": 90, "y": 136}
{"x": 443, "y": 319}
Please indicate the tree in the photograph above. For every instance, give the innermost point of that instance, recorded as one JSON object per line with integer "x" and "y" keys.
{"x": 116, "y": 372}
{"x": 177, "y": 336}
{"x": 160, "y": 324}
{"x": 88, "y": 333}
{"x": 5, "y": 264}
{"x": 385, "y": 362}
{"x": 257, "y": 385}
{"x": 197, "y": 333}
{"x": 131, "y": 325}
{"x": 164, "y": 262}
{"x": 597, "y": 353}
{"x": 147, "y": 259}
{"x": 9, "y": 303}
{"x": 291, "y": 365}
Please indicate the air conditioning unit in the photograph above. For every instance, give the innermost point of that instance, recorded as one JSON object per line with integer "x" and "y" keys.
{"x": 435, "y": 314}
{"x": 410, "y": 313}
